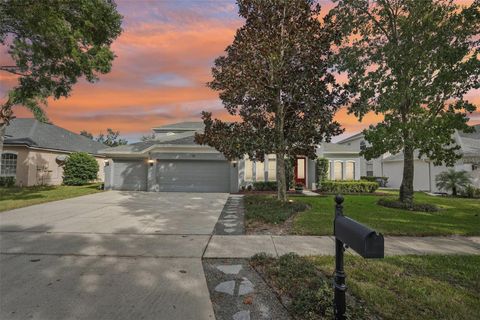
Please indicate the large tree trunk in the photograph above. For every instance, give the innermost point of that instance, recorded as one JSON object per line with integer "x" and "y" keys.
{"x": 3, "y": 128}
{"x": 406, "y": 189}
{"x": 281, "y": 177}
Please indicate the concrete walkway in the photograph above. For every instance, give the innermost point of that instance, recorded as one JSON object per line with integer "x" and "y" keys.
{"x": 246, "y": 246}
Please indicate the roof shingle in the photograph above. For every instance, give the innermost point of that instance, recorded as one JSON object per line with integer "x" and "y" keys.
{"x": 33, "y": 133}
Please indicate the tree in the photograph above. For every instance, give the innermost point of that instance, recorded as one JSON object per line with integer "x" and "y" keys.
{"x": 275, "y": 77}
{"x": 413, "y": 62}
{"x": 112, "y": 138}
{"x": 148, "y": 137}
{"x": 321, "y": 170}
{"x": 80, "y": 168}
{"x": 86, "y": 134}
{"x": 453, "y": 180}
{"x": 53, "y": 43}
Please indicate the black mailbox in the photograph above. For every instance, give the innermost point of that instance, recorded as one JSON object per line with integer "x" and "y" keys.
{"x": 365, "y": 241}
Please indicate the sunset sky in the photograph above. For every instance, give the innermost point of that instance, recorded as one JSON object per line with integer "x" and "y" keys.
{"x": 164, "y": 58}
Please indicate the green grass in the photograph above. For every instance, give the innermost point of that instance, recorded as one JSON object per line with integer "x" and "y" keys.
{"x": 266, "y": 209}
{"x": 12, "y": 198}
{"x": 414, "y": 287}
{"x": 395, "y": 288}
{"x": 457, "y": 216}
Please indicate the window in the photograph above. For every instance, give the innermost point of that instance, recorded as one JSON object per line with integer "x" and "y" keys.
{"x": 337, "y": 170}
{"x": 329, "y": 170}
{"x": 369, "y": 169}
{"x": 248, "y": 170}
{"x": 8, "y": 166}
{"x": 259, "y": 171}
{"x": 350, "y": 170}
{"x": 272, "y": 168}
{"x": 363, "y": 145}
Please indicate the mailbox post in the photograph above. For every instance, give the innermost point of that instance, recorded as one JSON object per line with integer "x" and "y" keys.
{"x": 365, "y": 241}
{"x": 340, "y": 287}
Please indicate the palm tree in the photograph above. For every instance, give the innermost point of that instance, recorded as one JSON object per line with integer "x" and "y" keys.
{"x": 453, "y": 180}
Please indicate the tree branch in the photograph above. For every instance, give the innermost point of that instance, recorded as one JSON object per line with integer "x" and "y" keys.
{"x": 10, "y": 69}
{"x": 372, "y": 18}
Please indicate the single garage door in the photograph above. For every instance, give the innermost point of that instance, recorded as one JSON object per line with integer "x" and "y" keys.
{"x": 193, "y": 176}
{"x": 130, "y": 175}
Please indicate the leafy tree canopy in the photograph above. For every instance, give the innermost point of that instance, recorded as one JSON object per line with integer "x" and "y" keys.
{"x": 275, "y": 76}
{"x": 52, "y": 44}
{"x": 413, "y": 62}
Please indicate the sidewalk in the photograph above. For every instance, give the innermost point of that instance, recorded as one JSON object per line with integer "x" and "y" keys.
{"x": 245, "y": 246}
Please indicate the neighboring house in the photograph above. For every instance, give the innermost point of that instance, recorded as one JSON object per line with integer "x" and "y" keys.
{"x": 425, "y": 171}
{"x": 174, "y": 162}
{"x": 34, "y": 152}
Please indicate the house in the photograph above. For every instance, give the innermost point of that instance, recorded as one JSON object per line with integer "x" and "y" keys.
{"x": 174, "y": 162}
{"x": 425, "y": 171}
{"x": 34, "y": 152}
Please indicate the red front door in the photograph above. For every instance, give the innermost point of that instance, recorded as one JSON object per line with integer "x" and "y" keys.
{"x": 300, "y": 170}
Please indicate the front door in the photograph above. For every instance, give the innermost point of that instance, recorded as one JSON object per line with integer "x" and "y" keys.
{"x": 300, "y": 170}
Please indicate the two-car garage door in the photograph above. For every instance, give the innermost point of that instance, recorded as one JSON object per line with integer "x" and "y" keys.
{"x": 173, "y": 175}
{"x": 193, "y": 176}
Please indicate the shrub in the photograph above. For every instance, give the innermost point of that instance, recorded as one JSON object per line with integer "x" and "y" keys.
{"x": 470, "y": 192}
{"x": 265, "y": 186}
{"x": 422, "y": 207}
{"x": 80, "y": 168}
{"x": 321, "y": 170}
{"x": 382, "y": 181}
{"x": 453, "y": 180}
{"x": 348, "y": 186}
{"x": 7, "y": 182}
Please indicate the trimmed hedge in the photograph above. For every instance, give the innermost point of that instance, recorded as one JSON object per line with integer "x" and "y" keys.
{"x": 343, "y": 186}
{"x": 265, "y": 186}
{"x": 80, "y": 168}
{"x": 395, "y": 204}
{"x": 382, "y": 181}
{"x": 7, "y": 182}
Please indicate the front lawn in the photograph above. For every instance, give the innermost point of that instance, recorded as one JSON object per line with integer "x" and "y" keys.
{"x": 397, "y": 288}
{"x": 266, "y": 212}
{"x": 12, "y": 198}
{"x": 457, "y": 216}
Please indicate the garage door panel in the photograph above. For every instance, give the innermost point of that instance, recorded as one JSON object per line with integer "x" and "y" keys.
{"x": 130, "y": 175}
{"x": 193, "y": 176}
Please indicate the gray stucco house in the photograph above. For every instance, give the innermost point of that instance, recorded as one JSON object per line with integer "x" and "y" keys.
{"x": 174, "y": 162}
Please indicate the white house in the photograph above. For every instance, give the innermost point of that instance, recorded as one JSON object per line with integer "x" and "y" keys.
{"x": 425, "y": 171}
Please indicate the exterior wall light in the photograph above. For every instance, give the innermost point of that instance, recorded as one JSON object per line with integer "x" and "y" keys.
{"x": 106, "y": 163}
{"x": 151, "y": 162}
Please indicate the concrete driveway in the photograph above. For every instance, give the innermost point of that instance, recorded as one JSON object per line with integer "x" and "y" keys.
{"x": 112, "y": 255}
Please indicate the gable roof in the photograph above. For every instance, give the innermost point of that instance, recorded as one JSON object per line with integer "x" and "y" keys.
{"x": 178, "y": 139}
{"x": 352, "y": 137}
{"x": 470, "y": 142}
{"x": 33, "y": 133}
{"x": 182, "y": 126}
